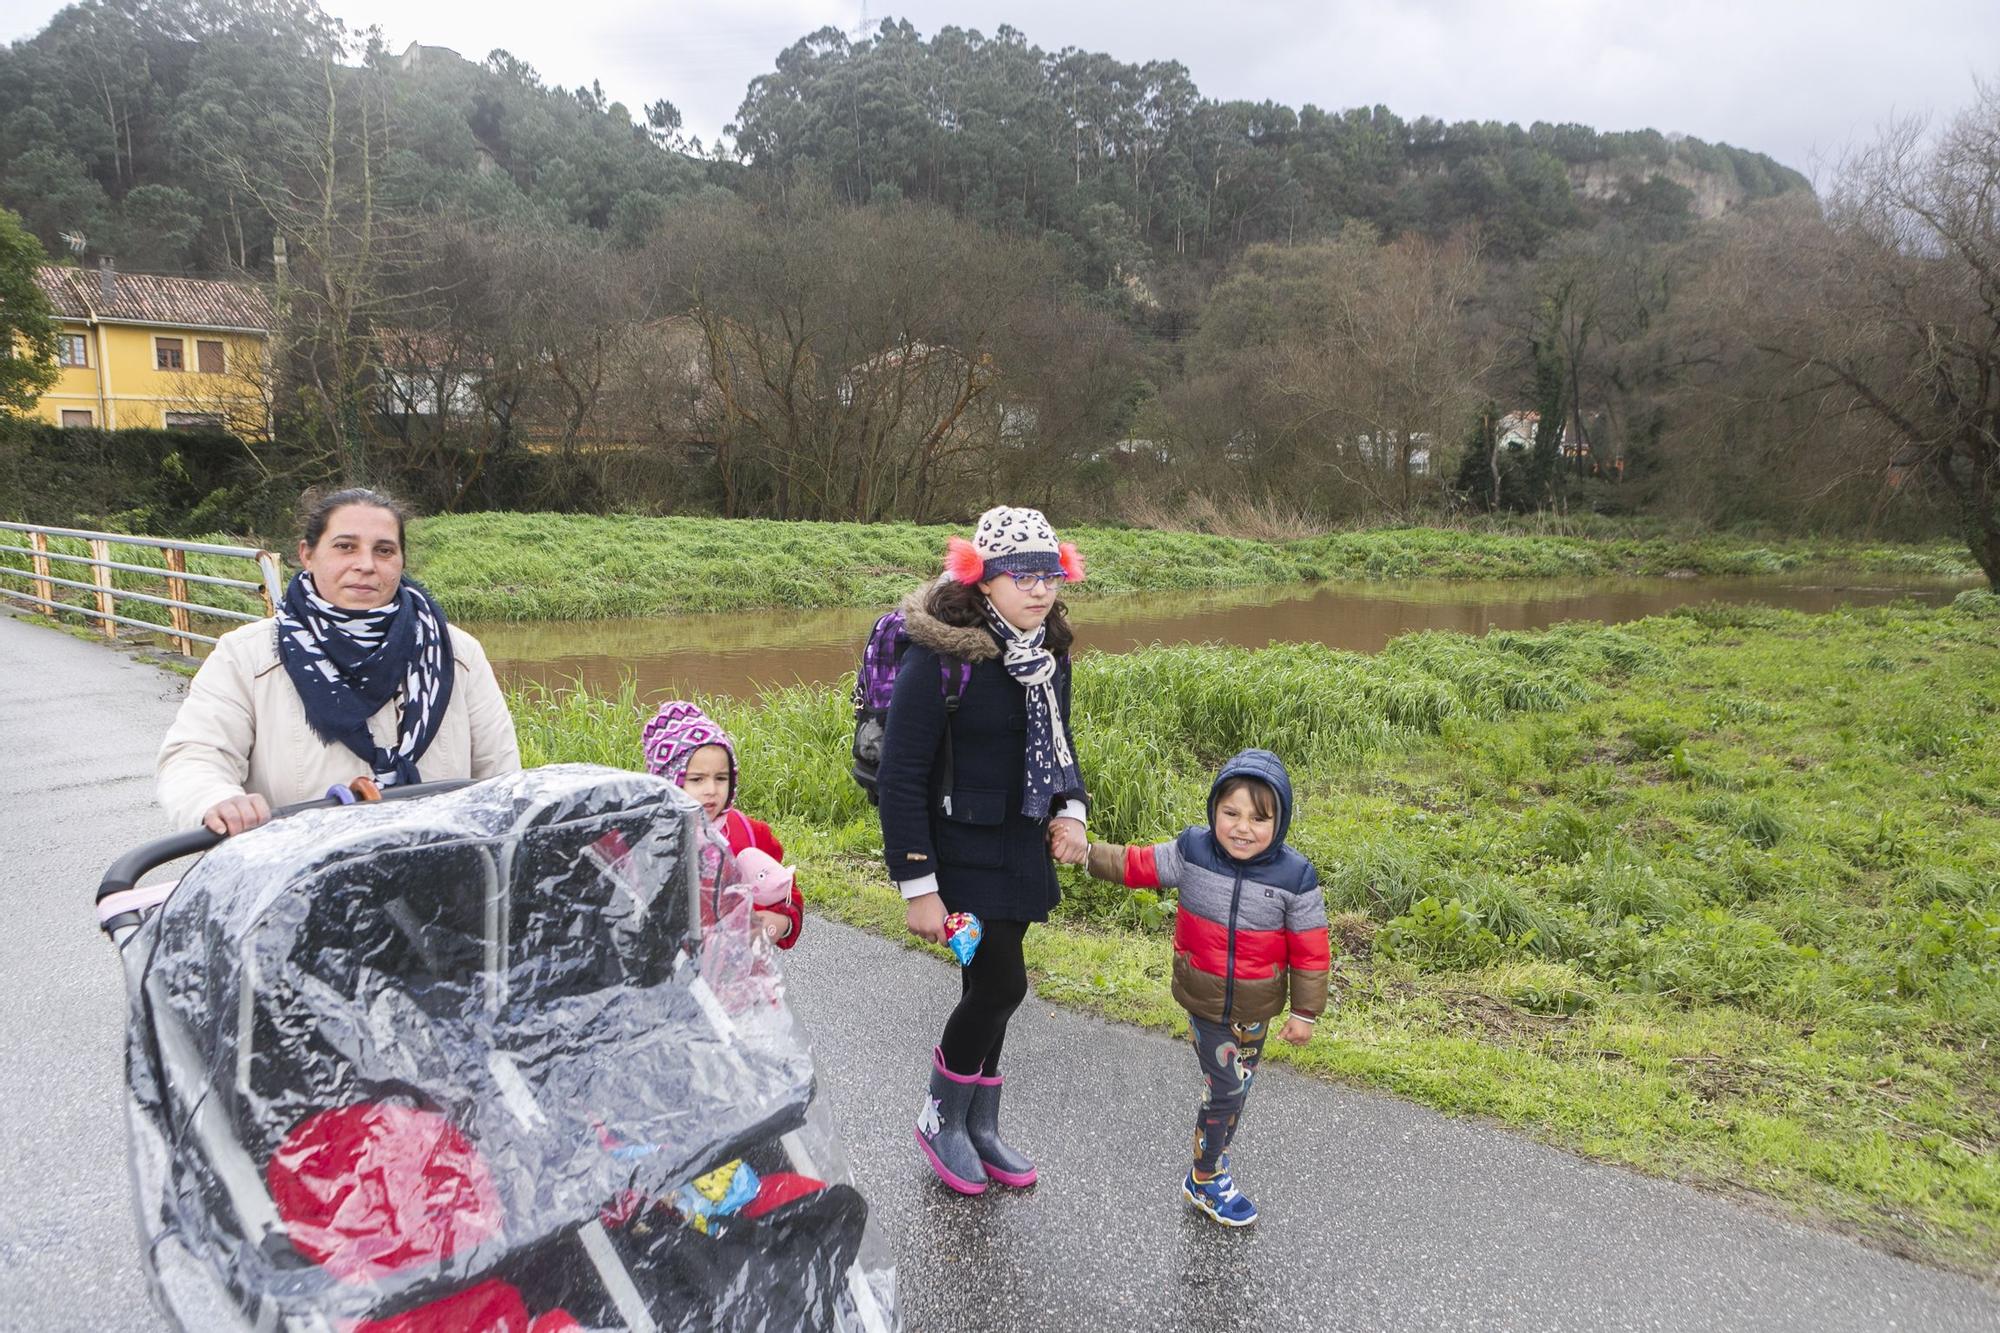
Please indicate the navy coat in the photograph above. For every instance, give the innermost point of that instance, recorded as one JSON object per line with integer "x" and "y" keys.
{"x": 990, "y": 859}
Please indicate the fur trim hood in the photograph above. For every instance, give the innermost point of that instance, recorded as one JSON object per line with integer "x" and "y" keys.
{"x": 973, "y": 643}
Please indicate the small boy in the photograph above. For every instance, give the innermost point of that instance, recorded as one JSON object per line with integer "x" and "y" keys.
{"x": 1251, "y": 920}
{"x": 689, "y": 749}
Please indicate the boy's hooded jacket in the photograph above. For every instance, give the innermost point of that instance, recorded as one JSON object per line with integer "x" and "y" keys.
{"x": 1244, "y": 927}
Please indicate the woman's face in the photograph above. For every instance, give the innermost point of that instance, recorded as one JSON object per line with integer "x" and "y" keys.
{"x": 1023, "y": 608}
{"x": 358, "y": 564}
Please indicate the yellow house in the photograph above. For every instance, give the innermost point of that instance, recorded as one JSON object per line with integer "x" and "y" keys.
{"x": 145, "y": 349}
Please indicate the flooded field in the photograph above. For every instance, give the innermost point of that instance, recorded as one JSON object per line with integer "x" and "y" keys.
{"x": 741, "y": 652}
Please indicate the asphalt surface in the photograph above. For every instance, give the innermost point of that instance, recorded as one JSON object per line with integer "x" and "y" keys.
{"x": 1376, "y": 1214}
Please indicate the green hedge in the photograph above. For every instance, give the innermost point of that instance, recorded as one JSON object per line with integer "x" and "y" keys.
{"x": 170, "y": 483}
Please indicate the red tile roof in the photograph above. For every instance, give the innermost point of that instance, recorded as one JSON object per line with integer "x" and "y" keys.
{"x": 152, "y": 298}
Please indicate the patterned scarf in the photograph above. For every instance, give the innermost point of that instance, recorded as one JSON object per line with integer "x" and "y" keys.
{"x": 347, "y": 664}
{"x": 1051, "y": 768}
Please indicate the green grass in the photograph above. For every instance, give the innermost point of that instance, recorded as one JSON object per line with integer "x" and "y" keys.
{"x": 1715, "y": 895}
{"x": 574, "y": 567}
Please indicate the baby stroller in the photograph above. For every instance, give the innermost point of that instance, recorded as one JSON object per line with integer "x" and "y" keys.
{"x": 468, "y": 1059}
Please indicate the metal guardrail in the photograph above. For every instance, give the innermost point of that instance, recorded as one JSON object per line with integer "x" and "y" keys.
{"x": 268, "y": 585}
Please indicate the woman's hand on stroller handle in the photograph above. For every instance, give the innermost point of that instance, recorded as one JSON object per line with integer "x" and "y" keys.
{"x": 237, "y": 814}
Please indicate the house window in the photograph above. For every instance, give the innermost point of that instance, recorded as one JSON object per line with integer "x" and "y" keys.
{"x": 208, "y": 356}
{"x": 192, "y": 420}
{"x": 76, "y": 417}
{"x": 167, "y": 354}
{"x": 72, "y": 350}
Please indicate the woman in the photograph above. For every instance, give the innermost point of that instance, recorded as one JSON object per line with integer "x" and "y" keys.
{"x": 357, "y": 675}
{"x": 968, "y": 826}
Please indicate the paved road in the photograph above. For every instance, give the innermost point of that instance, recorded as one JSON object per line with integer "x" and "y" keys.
{"x": 1377, "y": 1214}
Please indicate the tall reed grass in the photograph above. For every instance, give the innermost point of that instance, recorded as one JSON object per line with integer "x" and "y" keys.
{"x": 1152, "y": 726}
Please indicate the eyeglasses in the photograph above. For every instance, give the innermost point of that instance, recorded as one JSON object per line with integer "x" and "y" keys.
{"x": 1030, "y": 582}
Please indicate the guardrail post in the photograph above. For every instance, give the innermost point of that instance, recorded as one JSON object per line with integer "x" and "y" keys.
{"x": 274, "y": 581}
{"x": 40, "y": 560}
{"x": 100, "y": 551}
{"x": 177, "y": 563}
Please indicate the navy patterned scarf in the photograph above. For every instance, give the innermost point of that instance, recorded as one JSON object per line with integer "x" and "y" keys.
{"x": 1051, "y": 768}
{"x": 347, "y": 664}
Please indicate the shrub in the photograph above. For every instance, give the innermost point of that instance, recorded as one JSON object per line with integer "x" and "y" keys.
{"x": 1446, "y": 934}
{"x": 1951, "y": 940}
{"x": 1983, "y": 603}
{"x": 168, "y": 483}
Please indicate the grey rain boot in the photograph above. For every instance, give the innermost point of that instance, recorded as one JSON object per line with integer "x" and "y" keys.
{"x": 941, "y": 1128}
{"x": 982, "y": 1125}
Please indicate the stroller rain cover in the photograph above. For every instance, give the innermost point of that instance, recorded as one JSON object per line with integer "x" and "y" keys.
{"x": 499, "y": 1058}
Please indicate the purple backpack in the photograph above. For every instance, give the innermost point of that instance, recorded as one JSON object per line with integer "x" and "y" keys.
{"x": 875, "y": 682}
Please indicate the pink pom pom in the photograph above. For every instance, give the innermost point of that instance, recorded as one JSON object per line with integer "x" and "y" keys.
{"x": 962, "y": 560}
{"x": 1072, "y": 562}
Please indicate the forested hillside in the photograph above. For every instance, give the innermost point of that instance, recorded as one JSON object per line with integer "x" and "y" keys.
{"x": 146, "y": 127}
{"x": 1118, "y": 156}
{"x": 921, "y": 271}
{"x": 129, "y": 122}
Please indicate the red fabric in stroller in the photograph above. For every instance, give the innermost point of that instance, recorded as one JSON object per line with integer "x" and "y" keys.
{"x": 366, "y": 1190}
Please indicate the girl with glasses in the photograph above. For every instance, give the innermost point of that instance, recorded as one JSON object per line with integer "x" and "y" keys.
{"x": 969, "y": 825}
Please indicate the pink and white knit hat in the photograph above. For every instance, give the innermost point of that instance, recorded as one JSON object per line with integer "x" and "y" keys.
{"x": 1011, "y": 541}
{"x": 675, "y": 733}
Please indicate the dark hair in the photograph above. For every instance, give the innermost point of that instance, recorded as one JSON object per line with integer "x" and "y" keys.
{"x": 963, "y": 606}
{"x": 317, "y": 506}
{"x": 1263, "y": 800}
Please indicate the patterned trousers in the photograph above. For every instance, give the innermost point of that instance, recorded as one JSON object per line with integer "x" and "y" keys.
{"x": 1229, "y": 1053}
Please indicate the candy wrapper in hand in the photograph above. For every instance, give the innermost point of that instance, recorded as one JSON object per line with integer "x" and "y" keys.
{"x": 964, "y": 932}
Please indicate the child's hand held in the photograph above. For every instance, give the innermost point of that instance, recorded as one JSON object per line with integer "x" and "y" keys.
{"x": 1067, "y": 843}
{"x": 1297, "y": 1031}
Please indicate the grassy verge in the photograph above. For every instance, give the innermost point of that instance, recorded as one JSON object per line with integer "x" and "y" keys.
{"x": 1715, "y": 895}
{"x": 575, "y": 567}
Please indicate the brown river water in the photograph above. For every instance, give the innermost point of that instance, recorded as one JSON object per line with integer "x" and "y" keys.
{"x": 739, "y": 653}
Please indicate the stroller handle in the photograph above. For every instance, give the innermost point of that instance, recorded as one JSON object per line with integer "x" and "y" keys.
{"x": 126, "y": 870}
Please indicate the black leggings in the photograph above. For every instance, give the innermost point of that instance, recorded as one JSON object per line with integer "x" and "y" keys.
{"x": 991, "y": 988}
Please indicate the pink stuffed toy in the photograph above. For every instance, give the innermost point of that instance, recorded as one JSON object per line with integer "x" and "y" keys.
{"x": 770, "y": 883}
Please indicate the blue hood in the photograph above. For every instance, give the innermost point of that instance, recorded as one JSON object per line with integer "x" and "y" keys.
{"x": 1268, "y": 769}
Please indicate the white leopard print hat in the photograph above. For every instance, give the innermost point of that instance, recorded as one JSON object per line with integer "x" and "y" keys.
{"x": 1011, "y": 541}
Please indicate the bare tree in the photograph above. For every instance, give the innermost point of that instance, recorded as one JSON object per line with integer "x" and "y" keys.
{"x": 1887, "y": 309}
{"x": 852, "y": 355}
{"x": 320, "y": 185}
{"x": 1390, "y": 376}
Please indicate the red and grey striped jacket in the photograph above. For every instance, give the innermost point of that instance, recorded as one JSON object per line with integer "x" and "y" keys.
{"x": 1247, "y": 931}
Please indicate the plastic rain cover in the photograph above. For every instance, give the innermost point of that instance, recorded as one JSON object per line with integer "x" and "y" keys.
{"x": 504, "y": 1058}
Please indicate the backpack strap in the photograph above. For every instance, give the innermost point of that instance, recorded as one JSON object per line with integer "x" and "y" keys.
{"x": 956, "y": 675}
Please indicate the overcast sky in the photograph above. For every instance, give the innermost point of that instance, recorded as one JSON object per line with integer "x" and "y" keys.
{"x": 1798, "y": 79}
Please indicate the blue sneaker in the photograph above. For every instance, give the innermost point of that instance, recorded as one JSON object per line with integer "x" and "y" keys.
{"x": 1220, "y": 1199}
